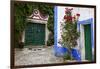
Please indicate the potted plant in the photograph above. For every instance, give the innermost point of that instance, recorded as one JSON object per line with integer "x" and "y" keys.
{"x": 69, "y": 32}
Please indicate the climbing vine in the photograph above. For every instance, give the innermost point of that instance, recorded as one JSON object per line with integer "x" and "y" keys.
{"x": 24, "y": 9}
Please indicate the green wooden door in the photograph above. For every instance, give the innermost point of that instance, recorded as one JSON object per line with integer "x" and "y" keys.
{"x": 88, "y": 47}
{"x": 35, "y": 34}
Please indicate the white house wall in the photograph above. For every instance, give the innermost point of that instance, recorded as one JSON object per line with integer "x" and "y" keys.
{"x": 82, "y": 42}
{"x": 85, "y": 13}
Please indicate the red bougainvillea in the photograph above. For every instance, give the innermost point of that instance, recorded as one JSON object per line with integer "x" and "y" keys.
{"x": 78, "y": 14}
{"x": 68, "y": 15}
{"x": 68, "y": 18}
{"x": 69, "y": 32}
{"x": 74, "y": 17}
{"x": 68, "y": 10}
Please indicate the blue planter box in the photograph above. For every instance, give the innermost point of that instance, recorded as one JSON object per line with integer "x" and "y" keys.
{"x": 76, "y": 54}
{"x": 60, "y": 51}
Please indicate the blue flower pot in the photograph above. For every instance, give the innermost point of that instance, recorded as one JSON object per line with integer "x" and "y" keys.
{"x": 76, "y": 54}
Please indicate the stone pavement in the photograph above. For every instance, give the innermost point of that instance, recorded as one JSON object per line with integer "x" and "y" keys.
{"x": 36, "y": 56}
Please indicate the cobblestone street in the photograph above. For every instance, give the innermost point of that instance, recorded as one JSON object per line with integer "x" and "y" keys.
{"x": 36, "y": 56}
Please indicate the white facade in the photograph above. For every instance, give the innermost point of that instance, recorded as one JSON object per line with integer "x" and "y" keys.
{"x": 85, "y": 13}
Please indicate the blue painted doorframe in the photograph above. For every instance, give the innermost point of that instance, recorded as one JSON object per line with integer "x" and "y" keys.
{"x": 85, "y": 22}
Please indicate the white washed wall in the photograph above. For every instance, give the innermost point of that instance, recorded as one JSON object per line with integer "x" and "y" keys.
{"x": 85, "y": 13}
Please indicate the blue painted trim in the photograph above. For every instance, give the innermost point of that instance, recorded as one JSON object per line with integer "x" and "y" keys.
{"x": 55, "y": 26}
{"x": 88, "y": 21}
{"x": 58, "y": 51}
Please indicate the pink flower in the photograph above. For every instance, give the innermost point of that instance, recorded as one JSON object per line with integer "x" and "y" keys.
{"x": 69, "y": 18}
{"x": 71, "y": 9}
{"x": 78, "y": 14}
{"x": 65, "y": 17}
{"x": 66, "y": 11}
{"x": 74, "y": 17}
{"x": 66, "y": 8}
